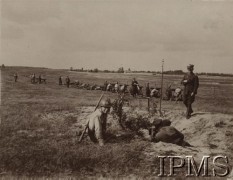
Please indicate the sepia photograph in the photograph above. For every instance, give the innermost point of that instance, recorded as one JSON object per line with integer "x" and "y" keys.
{"x": 116, "y": 89}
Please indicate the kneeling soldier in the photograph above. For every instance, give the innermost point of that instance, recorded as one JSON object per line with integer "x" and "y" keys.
{"x": 98, "y": 121}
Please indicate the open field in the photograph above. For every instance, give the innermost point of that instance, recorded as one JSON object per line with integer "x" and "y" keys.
{"x": 40, "y": 123}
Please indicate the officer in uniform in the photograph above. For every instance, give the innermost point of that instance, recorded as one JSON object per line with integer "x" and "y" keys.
{"x": 191, "y": 84}
{"x": 98, "y": 121}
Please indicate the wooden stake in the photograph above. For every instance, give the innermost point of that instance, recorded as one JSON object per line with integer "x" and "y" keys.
{"x": 161, "y": 95}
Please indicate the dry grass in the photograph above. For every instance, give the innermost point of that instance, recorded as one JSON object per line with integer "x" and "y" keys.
{"x": 33, "y": 145}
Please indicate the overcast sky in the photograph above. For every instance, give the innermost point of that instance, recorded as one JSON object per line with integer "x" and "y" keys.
{"x": 107, "y": 34}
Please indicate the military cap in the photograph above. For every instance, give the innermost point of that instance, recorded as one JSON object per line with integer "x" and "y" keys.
{"x": 190, "y": 66}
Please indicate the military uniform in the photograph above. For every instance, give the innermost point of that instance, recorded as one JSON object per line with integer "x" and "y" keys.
{"x": 191, "y": 84}
{"x": 33, "y": 78}
{"x": 162, "y": 131}
{"x": 15, "y": 77}
{"x": 116, "y": 87}
{"x": 60, "y": 80}
{"x": 134, "y": 88}
{"x": 169, "y": 93}
{"x": 97, "y": 126}
{"x": 169, "y": 134}
{"x": 98, "y": 122}
{"x": 148, "y": 90}
{"x": 39, "y": 79}
{"x": 68, "y": 82}
{"x": 105, "y": 86}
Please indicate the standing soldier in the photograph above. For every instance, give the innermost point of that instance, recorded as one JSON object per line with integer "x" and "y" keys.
{"x": 116, "y": 87}
{"x": 33, "y": 78}
{"x": 16, "y": 77}
{"x": 67, "y": 81}
{"x": 134, "y": 87}
{"x": 169, "y": 92}
{"x": 98, "y": 121}
{"x": 148, "y": 90}
{"x": 191, "y": 84}
{"x": 60, "y": 80}
{"x": 39, "y": 78}
{"x": 105, "y": 85}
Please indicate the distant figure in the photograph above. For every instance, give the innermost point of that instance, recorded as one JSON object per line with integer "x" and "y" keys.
{"x": 134, "y": 87}
{"x": 67, "y": 81}
{"x": 16, "y": 77}
{"x": 154, "y": 93}
{"x": 169, "y": 92}
{"x": 33, "y": 80}
{"x": 116, "y": 88}
{"x": 39, "y": 79}
{"x": 109, "y": 87}
{"x": 178, "y": 94}
{"x": 60, "y": 80}
{"x": 105, "y": 86}
{"x": 148, "y": 90}
{"x": 123, "y": 89}
{"x": 191, "y": 84}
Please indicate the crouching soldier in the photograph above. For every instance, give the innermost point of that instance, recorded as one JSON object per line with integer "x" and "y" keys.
{"x": 98, "y": 121}
{"x": 162, "y": 131}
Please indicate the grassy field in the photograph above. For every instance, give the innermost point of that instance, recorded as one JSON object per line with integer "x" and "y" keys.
{"x": 40, "y": 123}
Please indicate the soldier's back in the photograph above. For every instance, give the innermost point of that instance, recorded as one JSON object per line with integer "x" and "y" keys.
{"x": 169, "y": 134}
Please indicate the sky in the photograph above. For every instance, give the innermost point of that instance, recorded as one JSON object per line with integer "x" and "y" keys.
{"x": 108, "y": 34}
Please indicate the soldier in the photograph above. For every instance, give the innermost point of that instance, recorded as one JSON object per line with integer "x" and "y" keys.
{"x": 33, "y": 78}
{"x": 178, "y": 94}
{"x": 116, "y": 87}
{"x": 162, "y": 131}
{"x": 60, "y": 80}
{"x": 16, "y": 77}
{"x": 154, "y": 93}
{"x": 40, "y": 79}
{"x": 98, "y": 121}
{"x": 191, "y": 84}
{"x": 67, "y": 81}
{"x": 105, "y": 85}
{"x": 148, "y": 90}
{"x": 169, "y": 92}
{"x": 134, "y": 87}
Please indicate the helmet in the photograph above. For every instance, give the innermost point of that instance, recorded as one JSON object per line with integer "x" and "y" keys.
{"x": 106, "y": 103}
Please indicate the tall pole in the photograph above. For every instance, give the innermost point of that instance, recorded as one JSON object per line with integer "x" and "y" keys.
{"x": 161, "y": 96}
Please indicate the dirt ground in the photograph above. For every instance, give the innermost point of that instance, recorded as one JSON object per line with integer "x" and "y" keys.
{"x": 40, "y": 125}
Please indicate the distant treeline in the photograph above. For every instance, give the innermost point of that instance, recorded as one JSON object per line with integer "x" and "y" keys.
{"x": 171, "y": 72}
{"x": 216, "y": 74}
